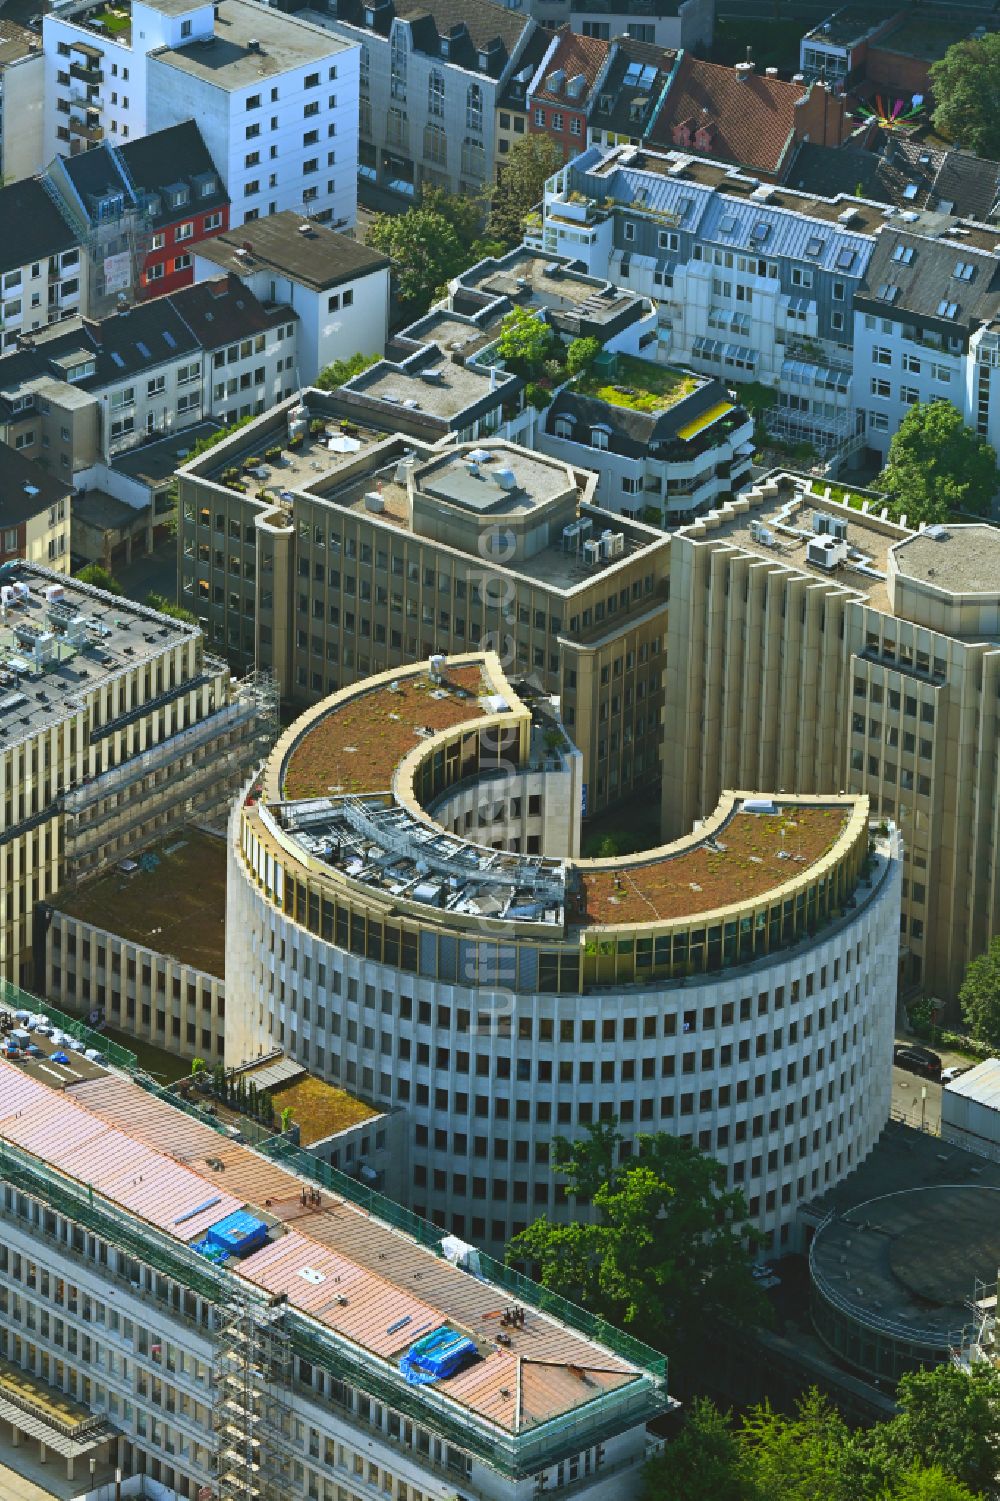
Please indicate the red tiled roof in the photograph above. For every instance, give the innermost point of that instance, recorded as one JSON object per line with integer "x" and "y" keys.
{"x": 750, "y": 117}
{"x": 574, "y": 54}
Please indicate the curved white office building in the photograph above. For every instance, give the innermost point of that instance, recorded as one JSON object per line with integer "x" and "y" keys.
{"x": 409, "y": 917}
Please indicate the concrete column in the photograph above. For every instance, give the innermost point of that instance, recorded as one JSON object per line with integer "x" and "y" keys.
{"x": 69, "y": 1467}
{"x": 42, "y": 1453}
{"x": 15, "y": 1437}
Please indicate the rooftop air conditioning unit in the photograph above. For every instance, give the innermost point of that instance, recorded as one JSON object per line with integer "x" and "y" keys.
{"x": 618, "y": 544}
{"x": 374, "y": 501}
{"x": 592, "y": 552}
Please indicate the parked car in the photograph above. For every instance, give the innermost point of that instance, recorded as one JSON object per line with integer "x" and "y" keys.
{"x": 128, "y": 867}
{"x": 764, "y": 1275}
{"x": 917, "y": 1060}
{"x": 954, "y": 1071}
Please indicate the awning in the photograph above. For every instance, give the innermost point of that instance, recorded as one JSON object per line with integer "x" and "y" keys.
{"x": 87, "y": 49}
{"x": 60, "y": 1443}
{"x": 691, "y": 429}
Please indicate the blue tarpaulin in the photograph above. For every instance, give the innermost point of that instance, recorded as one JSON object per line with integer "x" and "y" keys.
{"x": 436, "y": 1356}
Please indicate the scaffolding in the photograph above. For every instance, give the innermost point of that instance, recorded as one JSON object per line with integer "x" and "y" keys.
{"x": 252, "y": 1413}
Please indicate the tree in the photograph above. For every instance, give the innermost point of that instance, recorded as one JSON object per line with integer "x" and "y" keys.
{"x": 979, "y": 996}
{"x": 949, "y": 1417}
{"x": 664, "y": 1253}
{"x": 581, "y": 354}
{"x": 100, "y": 578}
{"x": 929, "y": 1485}
{"x": 526, "y": 341}
{"x": 167, "y": 607}
{"x": 800, "y": 1458}
{"x": 341, "y": 371}
{"x": 532, "y": 160}
{"x": 703, "y": 1463}
{"x": 425, "y": 252}
{"x": 938, "y": 465}
{"x": 966, "y": 85}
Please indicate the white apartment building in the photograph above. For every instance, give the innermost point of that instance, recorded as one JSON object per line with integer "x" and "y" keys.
{"x": 22, "y": 78}
{"x": 819, "y": 299}
{"x": 927, "y": 327}
{"x": 42, "y": 276}
{"x": 337, "y": 287}
{"x": 276, "y": 98}
{"x": 212, "y": 1315}
{"x": 736, "y": 987}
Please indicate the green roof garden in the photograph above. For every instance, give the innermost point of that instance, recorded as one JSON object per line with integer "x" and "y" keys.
{"x": 640, "y": 385}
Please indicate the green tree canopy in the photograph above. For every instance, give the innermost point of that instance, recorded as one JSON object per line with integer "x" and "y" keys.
{"x": 949, "y": 1417}
{"x": 966, "y": 85}
{"x": 938, "y": 465}
{"x": 340, "y": 371}
{"x": 167, "y": 607}
{"x": 979, "y": 996}
{"x": 810, "y": 1455}
{"x": 425, "y": 252}
{"x": 522, "y": 180}
{"x": 581, "y": 354}
{"x": 665, "y": 1250}
{"x": 526, "y": 341}
{"x": 100, "y": 578}
{"x": 703, "y": 1463}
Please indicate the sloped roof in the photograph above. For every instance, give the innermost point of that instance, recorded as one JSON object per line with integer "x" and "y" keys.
{"x": 653, "y": 65}
{"x": 165, "y": 156}
{"x": 468, "y": 25}
{"x": 573, "y": 55}
{"x": 33, "y": 228}
{"x": 927, "y": 277}
{"x": 908, "y": 174}
{"x": 26, "y": 489}
{"x": 751, "y": 115}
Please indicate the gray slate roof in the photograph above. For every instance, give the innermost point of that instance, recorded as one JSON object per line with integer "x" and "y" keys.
{"x": 33, "y": 228}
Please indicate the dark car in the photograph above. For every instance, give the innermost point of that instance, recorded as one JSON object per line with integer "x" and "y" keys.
{"x": 917, "y": 1061}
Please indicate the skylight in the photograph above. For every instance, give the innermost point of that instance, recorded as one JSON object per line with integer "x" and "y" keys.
{"x": 964, "y": 271}
{"x": 143, "y": 349}
{"x": 118, "y": 359}
{"x": 169, "y": 339}
{"x": 888, "y": 291}
{"x": 727, "y": 224}
{"x": 846, "y": 259}
{"x": 814, "y": 245}
{"x": 947, "y": 309}
{"x": 903, "y": 254}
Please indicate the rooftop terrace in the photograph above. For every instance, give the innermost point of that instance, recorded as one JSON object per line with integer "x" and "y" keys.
{"x": 438, "y": 389}
{"x": 357, "y": 747}
{"x": 777, "y": 520}
{"x": 639, "y": 385}
{"x": 366, "y": 819}
{"x": 748, "y": 855}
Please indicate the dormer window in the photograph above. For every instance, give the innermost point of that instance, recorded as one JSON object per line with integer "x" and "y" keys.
{"x": 599, "y": 438}
{"x": 445, "y": 46}
{"x": 605, "y": 103}
{"x": 563, "y": 427}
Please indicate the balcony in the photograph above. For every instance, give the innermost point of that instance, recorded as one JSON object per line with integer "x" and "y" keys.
{"x": 88, "y": 72}
{"x": 85, "y": 104}
{"x": 88, "y": 130}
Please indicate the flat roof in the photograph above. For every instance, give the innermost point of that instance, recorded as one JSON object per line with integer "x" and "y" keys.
{"x": 747, "y": 856}
{"x": 294, "y": 246}
{"x": 160, "y": 1167}
{"x": 845, "y": 27}
{"x": 457, "y": 388}
{"x": 535, "y": 481}
{"x": 779, "y": 527}
{"x": 913, "y": 1257}
{"x": 929, "y": 36}
{"x": 353, "y": 744}
{"x": 113, "y": 634}
{"x": 545, "y": 281}
{"x": 228, "y": 62}
{"x": 958, "y": 559}
{"x": 155, "y": 463}
{"x": 175, "y": 903}
{"x": 359, "y": 744}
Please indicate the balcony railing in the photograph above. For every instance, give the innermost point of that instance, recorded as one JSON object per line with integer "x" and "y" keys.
{"x": 87, "y": 73}
{"x": 89, "y": 132}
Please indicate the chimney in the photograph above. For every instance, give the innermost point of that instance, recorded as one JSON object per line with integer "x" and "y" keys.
{"x": 771, "y": 72}
{"x": 744, "y": 71}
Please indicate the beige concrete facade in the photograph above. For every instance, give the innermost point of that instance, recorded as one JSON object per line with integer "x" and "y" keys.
{"x": 120, "y": 733}
{"x": 879, "y": 675}
{"x": 328, "y": 591}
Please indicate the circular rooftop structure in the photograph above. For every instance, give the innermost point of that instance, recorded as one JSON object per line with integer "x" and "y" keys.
{"x": 892, "y": 1279}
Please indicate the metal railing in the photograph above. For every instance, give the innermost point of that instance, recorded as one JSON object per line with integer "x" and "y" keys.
{"x": 16, "y": 999}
